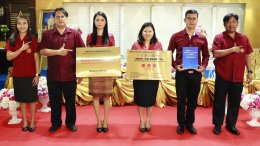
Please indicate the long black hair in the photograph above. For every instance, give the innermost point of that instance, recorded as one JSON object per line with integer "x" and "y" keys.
{"x": 16, "y": 31}
{"x": 140, "y": 36}
{"x": 105, "y": 36}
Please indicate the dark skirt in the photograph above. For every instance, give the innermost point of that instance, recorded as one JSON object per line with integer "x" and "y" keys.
{"x": 101, "y": 87}
{"x": 24, "y": 91}
{"x": 145, "y": 92}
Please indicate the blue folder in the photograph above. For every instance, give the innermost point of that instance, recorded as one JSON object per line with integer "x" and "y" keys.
{"x": 190, "y": 57}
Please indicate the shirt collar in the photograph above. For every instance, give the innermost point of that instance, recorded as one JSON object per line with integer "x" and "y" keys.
{"x": 237, "y": 35}
{"x": 67, "y": 30}
{"x": 184, "y": 32}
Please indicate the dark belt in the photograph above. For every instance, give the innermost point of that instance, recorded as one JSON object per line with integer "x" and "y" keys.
{"x": 190, "y": 71}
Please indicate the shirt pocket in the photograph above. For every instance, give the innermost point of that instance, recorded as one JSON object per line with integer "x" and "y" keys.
{"x": 199, "y": 43}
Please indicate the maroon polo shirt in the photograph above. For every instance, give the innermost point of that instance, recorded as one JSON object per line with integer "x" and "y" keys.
{"x": 153, "y": 46}
{"x": 62, "y": 68}
{"x": 24, "y": 63}
{"x": 231, "y": 67}
{"x": 181, "y": 39}
{"x": 111, "y": 41}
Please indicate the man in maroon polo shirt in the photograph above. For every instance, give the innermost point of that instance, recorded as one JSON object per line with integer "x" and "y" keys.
{"x": 232, "y": 52}
{"x": 59, "y": 44}
{"x": 188, "y": 80}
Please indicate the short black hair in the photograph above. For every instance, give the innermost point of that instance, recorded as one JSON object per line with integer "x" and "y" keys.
{"x": 228, "y": 16}
{"x": 191, "y": 11}
{"x": 61, "y": 10}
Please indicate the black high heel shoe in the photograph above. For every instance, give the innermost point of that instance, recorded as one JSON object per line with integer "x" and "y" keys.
{"x": 24, "y": 129}
{"x": 142, "y": 129}
{"x": 104, "y": 129}
{"x": 99, "y": 129}
{"x": 147, "y": 129}
{"x": 31, "y": 129}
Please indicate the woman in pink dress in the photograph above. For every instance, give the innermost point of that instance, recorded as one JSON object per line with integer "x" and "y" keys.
{"x": 145, "y": 91}
{"x": 100, "y": 87}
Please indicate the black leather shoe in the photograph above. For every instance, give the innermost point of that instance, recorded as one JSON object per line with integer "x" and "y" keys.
{"x": 31, "y": 129}
{"x": 233, "y": 130}
{"x": 217, "y": 130}
{"x": 72, "y": 128}
{"x": 54, "y": 128}
{"x": 191, "y": 129}
{"x": 180, "y": 129}
{"x": 142, "y": 129}
{"x": 24, "y": 129}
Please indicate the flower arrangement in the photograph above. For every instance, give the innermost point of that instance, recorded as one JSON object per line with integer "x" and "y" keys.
{"x": 43, "y": 95}
{"x": 7, "y": 100}
{"x": 7, "y": 96}
{"x": 42, "y": 88}
{"x": 123, "y": 70}
{"x": 201, "y": 30}
{"x": 250, "y": 101}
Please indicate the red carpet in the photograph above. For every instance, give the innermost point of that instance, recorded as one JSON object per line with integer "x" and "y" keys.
{"x": 123, "y": 130}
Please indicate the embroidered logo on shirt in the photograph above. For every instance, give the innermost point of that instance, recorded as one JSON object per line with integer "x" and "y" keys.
{"x": 29, "y": 50}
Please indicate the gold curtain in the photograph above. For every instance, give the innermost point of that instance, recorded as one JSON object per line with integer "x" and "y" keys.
{"x": 254, "y": 86}
{"x": 206, "y": 94}
{"x": 168, "y": 88}
{"x": 124, "y": 92}
{"x": 82, "y": 93}
{"x": 255, "y": 64}
{"x": 166, "y": 95}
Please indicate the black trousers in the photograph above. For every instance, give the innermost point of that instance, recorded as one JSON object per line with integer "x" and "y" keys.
{"x": 187, "y": 89}
{"x": 223, "y": 89}
{"x": 68, "y": 90}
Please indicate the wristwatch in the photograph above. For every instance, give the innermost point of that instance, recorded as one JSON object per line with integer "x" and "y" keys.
{"x": 250, "y": 71}
{"x": 38, "y": 75}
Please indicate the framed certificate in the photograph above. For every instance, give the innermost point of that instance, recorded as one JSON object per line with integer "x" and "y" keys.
{"x": 149, "y": 65}
{"x": 190, "y": 57}
{"x": 98, "y": 61}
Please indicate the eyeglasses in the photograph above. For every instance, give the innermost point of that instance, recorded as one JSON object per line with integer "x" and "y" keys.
{"x": 60, "y": 17}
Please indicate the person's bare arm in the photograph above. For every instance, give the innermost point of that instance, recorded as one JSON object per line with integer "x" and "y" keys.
{"x": 49, "y": 52}
{"x": 11, "y": 55}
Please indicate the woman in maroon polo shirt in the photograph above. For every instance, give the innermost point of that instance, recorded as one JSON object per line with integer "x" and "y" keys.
{"x": 22, "y": 50}
{"x": 100, "y": 87}
{"x": 145, "y": 91}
